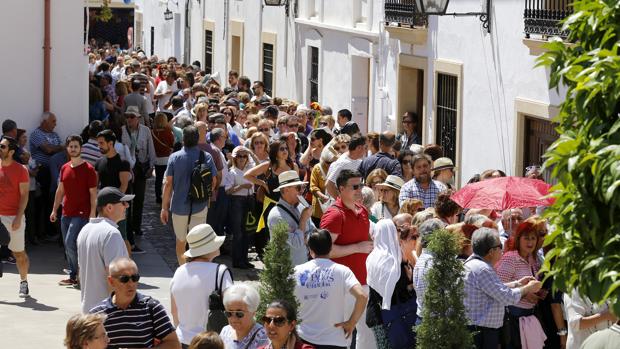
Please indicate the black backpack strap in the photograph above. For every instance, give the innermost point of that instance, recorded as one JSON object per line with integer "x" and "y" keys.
{"x": 218, "y": 286}
{"x": 289, "y": 213}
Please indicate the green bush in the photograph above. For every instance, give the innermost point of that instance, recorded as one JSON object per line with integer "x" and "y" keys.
{"x": 276, "y": 280}
{"x": 585, "y": 159}
{"x": 444, "y": 324}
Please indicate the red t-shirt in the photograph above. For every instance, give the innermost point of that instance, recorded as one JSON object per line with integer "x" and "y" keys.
{"x": 77, "y": 182}
{"x": 10, "y": 178}
{"x": 351, "y": 228}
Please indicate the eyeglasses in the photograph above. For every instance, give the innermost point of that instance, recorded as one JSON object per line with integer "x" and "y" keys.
{"x": 125, "y": 278}
{"x": 276, "y": 320}
{"x": 227, "y": 113}
{"x": 263, "y": 129}
{"x": 237, "y": 313}
{"x": 356, "y": 186}
{"x": 283, "y": 149}
{"x": 298, "y": 187}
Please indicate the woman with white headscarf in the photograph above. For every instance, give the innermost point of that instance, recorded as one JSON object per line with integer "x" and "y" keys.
{"x": 391, "y": 311}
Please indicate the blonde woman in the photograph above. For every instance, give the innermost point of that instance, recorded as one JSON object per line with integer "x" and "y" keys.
{"x": 86, "y": 332}
{"x": 201, "y": 112}
{"x": 388, "y": 206}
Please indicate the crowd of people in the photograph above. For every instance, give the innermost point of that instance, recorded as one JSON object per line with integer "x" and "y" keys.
{"x": 360, "y": 209}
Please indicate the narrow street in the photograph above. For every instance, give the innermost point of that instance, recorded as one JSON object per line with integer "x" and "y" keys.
{"x": 47, "y": 310}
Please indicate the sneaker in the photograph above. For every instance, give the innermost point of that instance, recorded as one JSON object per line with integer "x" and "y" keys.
{"x": 67, "y": 282}
{"x": 137, "y": 250}
{"x": 9, "y": 260}
{"x": 23, "y": 289}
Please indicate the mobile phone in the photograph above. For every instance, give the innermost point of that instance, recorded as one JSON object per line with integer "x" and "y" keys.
{"x": 303, "y": 201}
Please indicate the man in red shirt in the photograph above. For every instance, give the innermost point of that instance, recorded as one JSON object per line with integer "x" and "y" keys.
{"x": 77, "y": 189}
{"x": 348, "y": 224}
{"x": 14, "y": 187}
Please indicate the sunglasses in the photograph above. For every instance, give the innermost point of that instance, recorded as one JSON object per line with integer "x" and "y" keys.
{"x": 342, "y": 147}
{"x": 322, "y": 124}
{"x": 257, "y": 142}
{"x": 238, "y": 314}
{"x": 277, "y": 320}
{"x": 125, "y": 278}
{"x": 263, "y": 129}
{"x": 283, "y": 149}
{"x": 356, "y": 186}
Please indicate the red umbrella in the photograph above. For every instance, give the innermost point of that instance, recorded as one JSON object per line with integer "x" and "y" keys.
{"x": 503, "y": 193}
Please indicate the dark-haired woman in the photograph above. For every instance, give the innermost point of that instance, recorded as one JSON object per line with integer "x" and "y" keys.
{"x": 279, "y": 321}
{"x": 265, "y": 176}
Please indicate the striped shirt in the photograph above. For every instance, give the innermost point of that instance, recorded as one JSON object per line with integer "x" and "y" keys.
{"x": 144, "y": 320}
{"x": 513, "y": 267}
{"x": 38, "y": 137}
{"x": 91, "y": 152}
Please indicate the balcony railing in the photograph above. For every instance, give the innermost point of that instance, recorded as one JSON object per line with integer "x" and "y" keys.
{"x": 542, "y": 17}
{"x": 403, "y": 12}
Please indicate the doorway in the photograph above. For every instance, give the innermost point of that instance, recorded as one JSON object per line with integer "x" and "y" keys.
{"x": 360, "y": 86}
{"x": 539, "y": 135}
{"x": 410, "y": 96}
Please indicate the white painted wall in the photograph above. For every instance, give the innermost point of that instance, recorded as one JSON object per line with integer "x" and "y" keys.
{"x": 22, "y": 64}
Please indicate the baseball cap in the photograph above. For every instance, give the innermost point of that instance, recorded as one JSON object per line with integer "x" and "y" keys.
{"x": 111, "y": 195}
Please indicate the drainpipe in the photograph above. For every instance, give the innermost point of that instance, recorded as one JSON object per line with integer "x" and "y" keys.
{"x": 46, "y": 57}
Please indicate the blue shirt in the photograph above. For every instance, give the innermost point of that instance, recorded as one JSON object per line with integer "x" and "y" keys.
{"x": 296, "y": 237}
{"x": 381, "y": 160}
{"x": 413, "y": 190}
{"x": 180, "y": 166}
{"x": 38, "y": 137}
{"x": 422, "y": 266}
{"x": 485, "y": 294}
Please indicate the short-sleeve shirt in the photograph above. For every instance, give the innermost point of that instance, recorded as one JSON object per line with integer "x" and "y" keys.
{"x": 144, "y": 320}
{"x": 109, "y": 170}
{"x": 344, "y": 162}
{"x": 10, "y": 178}
{"x": 413, "y": 190}
{"x": 77, "y": 182}
{"x": 215, "y": 154}
{"x": 98, "y": 244}
{"x": 191, "y": 286}
{"x": 38, "y": 137}
{"x": 351, "y": 228}
{"x": 91, "y": 152}
{"x": 257, "y": 337}
{"x": 321, "y": 286}
{"x": 180, "y": 166}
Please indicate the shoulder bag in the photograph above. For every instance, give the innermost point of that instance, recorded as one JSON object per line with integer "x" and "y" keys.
{"x": 217, "y": 320}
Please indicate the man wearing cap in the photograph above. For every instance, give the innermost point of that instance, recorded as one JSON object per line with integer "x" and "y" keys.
{"x": 175, "y": 199}
{"x": 383, "y": 158}
{"x": 443, "y": 171}
{"x": 133, "y": 320}
{"x": 99, "y": 243}
{"x": 299, "y": 223}
{"x": 139, "y": 140}
{"x": 14, "y": 188}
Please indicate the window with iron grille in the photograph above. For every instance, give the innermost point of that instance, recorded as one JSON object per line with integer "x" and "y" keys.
{"x": 447, "y": 110}
{"x": 268, "y": 68}
{"x": 208, "y": 51}
{"x": 314, "y": 74}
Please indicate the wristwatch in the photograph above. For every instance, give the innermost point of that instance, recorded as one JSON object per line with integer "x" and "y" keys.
{"x": 562, "y": 332}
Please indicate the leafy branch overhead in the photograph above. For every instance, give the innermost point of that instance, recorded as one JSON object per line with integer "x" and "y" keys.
{"x": 585, "y": 159}
{"x": 106, "y": 13}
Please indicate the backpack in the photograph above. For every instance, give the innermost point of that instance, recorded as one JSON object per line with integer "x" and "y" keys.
{"x": 201, "y": 181}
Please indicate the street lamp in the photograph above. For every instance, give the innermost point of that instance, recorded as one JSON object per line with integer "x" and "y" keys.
{"x": 284, "y": 3}
{"x": 168, "y": 14}
{"x": 439, "y": 7}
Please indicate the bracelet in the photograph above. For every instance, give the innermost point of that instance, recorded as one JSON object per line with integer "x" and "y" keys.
{"x": 562, "y": 332}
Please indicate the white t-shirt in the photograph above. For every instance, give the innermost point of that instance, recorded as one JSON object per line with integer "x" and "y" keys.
{"x": 380, "y": 211}
{"x": 235, "y": 177}
{"x": 191, "y": 286}
{"x": 98, "y": 244}
{"x": 344, "y": 162}
{"x": 321, "y": 288}
{"x": 162, "y": 88}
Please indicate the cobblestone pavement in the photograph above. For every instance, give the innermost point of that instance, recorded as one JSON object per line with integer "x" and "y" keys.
{"x": 163, "y": 240}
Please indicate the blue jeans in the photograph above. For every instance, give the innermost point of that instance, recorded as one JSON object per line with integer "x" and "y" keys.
{"x": 70, "y": 228}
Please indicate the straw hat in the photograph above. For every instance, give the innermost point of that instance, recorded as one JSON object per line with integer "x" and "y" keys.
{"x": 202, "y": 240}
{"x": 288, "y": 179}
{"x": 393, "y": 182}
{"x": 442, "y": 164}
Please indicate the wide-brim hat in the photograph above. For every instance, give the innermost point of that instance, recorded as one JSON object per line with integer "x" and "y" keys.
{"x": 288, "y": 179}
{"x": 202, "y": 240}
{"x": 442, "y": 164}
{"x": 133, "y": 110}
{"x": 393, "y": 182}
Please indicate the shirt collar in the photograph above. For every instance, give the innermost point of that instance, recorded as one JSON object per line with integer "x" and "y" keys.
{"x": 287, "y": 205}
{"x": 103, "y": 219}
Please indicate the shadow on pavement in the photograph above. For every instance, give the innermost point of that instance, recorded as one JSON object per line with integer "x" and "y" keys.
{"x": 31, "y": 303}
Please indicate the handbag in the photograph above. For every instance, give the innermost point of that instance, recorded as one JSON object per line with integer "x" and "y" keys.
{"x": 217, "y": 320}
{"x": 399, "y": 322}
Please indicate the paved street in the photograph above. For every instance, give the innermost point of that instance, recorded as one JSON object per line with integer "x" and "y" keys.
{"x": 39, "y": 321}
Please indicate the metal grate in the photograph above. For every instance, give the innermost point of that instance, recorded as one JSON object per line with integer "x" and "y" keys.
{"x": 447, "y": 109}
{"x": 543, "y": 17}
{"x": 314, "y": 74}
{"x": 403, "y": 12}
{"x": 268, "y": 68}
{"x": 208, "y": 51}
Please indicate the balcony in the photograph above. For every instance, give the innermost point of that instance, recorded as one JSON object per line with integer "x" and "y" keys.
{"x": 542, "y": 18}
{"x": 403, "y": 13}
{"x": 404, "y": 23}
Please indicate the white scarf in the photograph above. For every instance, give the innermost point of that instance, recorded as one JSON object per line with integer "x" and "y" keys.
{"x": 383, "y": 263}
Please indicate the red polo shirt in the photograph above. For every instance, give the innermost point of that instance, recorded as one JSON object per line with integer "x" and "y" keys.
{"x": 351, "y": 227}
{"x": 77, "y": 182}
